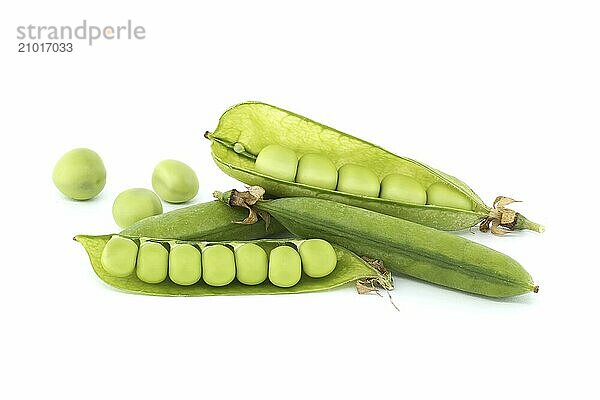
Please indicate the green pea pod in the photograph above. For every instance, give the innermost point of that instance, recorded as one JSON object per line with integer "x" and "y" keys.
{"x": 350, "y": 268}
{"x": 245, "y": 129}
{"x": 403, "y": 246}
{"x": 204, "y": 221}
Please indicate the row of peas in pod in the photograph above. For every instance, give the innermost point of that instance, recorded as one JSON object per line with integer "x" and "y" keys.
{"x": 318, "y": 170}
{"x": 217, "y": 264}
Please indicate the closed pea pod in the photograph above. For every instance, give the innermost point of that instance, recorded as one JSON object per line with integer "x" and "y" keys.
{"x": 252, "y": 127}
{"x": 204, "y": 221}
{"x": 350, "y": 268}
{"x": 404, "y": 247}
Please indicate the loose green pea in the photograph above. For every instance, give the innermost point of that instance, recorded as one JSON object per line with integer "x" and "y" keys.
{"x": 133, "y": 205}
{"x": 174, "y": 181}
{"x": 440, "y": 194}
{"x": 357, "y": 179}
{"x": 251, "y": 264}
{"x": 218, "y": 264}
{"x": 285, "y": 266}
{"x": 317, "y": 170}
{"x": 403, "y": 188}
{"x": 318, "y": 257}
{"x": 119, "y": 256}
{"x": 80, "y": 174}
{"x": 152, "y": 262}
{"x": 277, "y": 161}
{"x": 185, "y": 264}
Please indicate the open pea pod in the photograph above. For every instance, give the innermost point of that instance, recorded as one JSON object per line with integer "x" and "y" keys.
{"x": 349, "y": 268}
{"x": 245, "y": 129}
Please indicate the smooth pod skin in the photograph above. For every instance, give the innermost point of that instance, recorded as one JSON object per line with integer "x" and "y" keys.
{"x": 79, "y": 174}
{"x": 285, "y": 266}
{"x": 119, "y": 256}
{"x": 403, "y": 246}
{"x": 152, "y": 262}
{"x": 403, "y": 188}
{"x": 277, "y": 161}
{"x": 218, "y": 264}
{"x": 317, "y": 170}
{"x": 133, "y": 205}
{"x": 174, "y": 181}
{"x": 185, "y": 264}
{"x": 211, "y": 221}
{"x": 252, "y": 126}
{"x": 251, "y": 264}
{"x": 318, "y": 257}
{"x": 440, "y": 194}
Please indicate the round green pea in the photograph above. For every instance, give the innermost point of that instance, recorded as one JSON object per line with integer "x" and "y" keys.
{"x": 317, "y": 170}
{"x": 285, "y": 266}
{"x": 218, "y": 265}
{"x": 318, "y": 257}
{"x": 357, "y": 179}
{"x": 152, "y": 262}
{"x": 133, "y": 205}
{"x": 185, "y": 264}
{"x": 119, "y": 256}
{"x": 440, "y": 194}
{"x": 277, "y": 161}
{"x": 403, "y": 188}
{"x": 80, "y": 174}
{"x": 174, "y": 181}
{"x": 251, "y": 264}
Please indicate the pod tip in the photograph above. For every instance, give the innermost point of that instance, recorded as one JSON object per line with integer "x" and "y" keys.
{"x": 536, "y": 289}
{"x": 541, "y": 228}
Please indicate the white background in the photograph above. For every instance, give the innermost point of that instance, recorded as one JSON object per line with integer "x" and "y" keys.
{"x": 504, "y": 95}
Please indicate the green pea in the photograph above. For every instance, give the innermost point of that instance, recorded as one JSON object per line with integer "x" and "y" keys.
{"x": 218, "y": 264}
{"x": 251, "y": 264}
{"x": 357, "y": 179}
{"x": 185, "y": 264}
{"x": 317, "y": 170}
{"x": 79, "y": 174}
{"x": 402, "y": 188}
{"x": 285, "y": 266}
{"x": 239, "y": 148}
{"x": 318, "y": 257}
{"x": 152, "y": 262}
{"x": 440, "y": 194}
{"x": 133, "y": 205}
{"x": 174, "y": 181}
{"x": 119, "y": 256}
{"x": 277, "y": 161}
